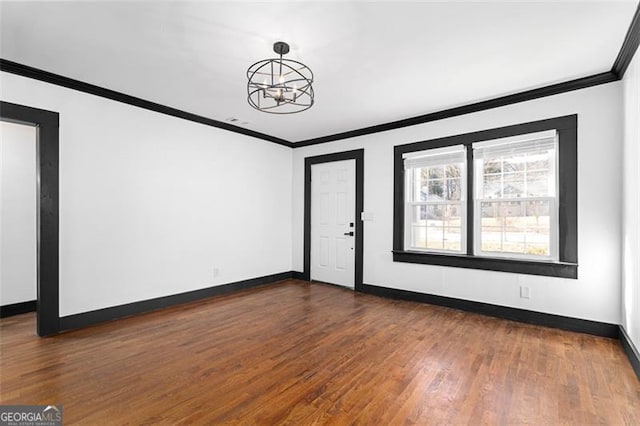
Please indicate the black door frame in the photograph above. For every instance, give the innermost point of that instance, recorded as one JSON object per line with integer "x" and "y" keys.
{"x": 357, "y": 155}
{"x": 47, "y": 151}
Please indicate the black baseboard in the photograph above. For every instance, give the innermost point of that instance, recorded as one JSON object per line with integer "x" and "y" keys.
{"x": 631, "y": 351}
{"x": 299, "y": 276}
{"x": 522, "y": 315}
{"x": 85, "y": 319}
{"x": 17, "y": 308}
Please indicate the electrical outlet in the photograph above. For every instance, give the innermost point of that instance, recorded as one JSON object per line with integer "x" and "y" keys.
{"x": 216, "y": 272}
{"x": 525, "y": 292}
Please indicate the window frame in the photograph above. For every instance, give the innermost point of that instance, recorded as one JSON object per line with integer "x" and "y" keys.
{"x": 463, "y": 207}
{"x": 567, "y": 196}
{"x": 554, "y": 202}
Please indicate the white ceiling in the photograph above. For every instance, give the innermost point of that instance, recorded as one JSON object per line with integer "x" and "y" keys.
{"x": 373, "y": 62}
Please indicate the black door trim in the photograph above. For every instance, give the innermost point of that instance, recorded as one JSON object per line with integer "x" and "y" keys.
{"x": 47, "y": 148}
{"x": 357, "y": 155}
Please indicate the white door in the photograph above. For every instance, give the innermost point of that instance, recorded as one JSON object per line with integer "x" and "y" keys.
{"x": 333, "y": 203}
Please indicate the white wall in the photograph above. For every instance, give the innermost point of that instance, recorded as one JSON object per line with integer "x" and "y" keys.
{"x": 595, "y": 295}
{"x": 151, "y": 204}
{"x": 631, "y": 205}
{"x": 18, "y": 252}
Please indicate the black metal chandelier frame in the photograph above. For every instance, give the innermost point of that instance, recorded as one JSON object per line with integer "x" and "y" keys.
{"x": 278, "y": 85}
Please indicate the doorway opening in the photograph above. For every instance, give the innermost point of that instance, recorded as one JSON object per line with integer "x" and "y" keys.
{"x": 18, "y": 221}
{"x": 46, "y": 125}
{"x": 333, "y": 229}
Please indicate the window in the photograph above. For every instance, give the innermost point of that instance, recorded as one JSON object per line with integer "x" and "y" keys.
{"x": 502, "y": 199}
{"x": 435, "y": 195}
{"x": 515, "y": 198}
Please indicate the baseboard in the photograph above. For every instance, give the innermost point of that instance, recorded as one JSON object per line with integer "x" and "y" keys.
{"x": 631, "y": 351}
{"x": 85, "y": 319}
{"x": 17, "y": 308}
{"x": 299, "y": 276}
{"x": 522, "y": 315}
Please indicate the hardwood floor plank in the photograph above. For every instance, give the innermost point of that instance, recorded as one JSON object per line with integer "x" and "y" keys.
{"x": 301, "y": 353}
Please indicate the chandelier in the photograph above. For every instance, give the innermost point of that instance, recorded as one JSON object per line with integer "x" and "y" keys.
{"x": 280, "y": 86}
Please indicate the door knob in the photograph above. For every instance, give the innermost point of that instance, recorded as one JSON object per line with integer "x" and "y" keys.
{"x": 349, "y": 233}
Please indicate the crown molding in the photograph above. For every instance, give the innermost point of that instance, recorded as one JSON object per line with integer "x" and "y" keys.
{"x": 629, "y": 46}
{"x": 554, "y": 89}
{"x": 59, "y": 80}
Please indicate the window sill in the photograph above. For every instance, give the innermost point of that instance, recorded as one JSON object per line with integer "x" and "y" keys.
{"x": 518, "y": 266}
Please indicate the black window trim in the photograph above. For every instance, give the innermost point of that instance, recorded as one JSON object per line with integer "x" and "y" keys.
{"x": 566, "y": 267}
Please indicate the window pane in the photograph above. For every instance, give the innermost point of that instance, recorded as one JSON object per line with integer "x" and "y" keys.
{"x": 518, "y": 175}
{"x": 435, "y": 172}
{"x": 539, "y": 184}
{"x": 513, "y": 185}
{"x": 538, "y": 227}
{"x": 435, "y": 237}
{"x": 419, "y": 215}
{"x": 492, "y": 186}
{"x": 519, "y": 227}
{"x": 513, "y": 163}
{"x": 453, "y": 227}
{"x": 434, "y": 187}
{"x": 427, "y": 237}
{"x": 453, "y": 189}
{"x": 492, "y": 165}
{"x": 437, "y": 227}
{"x": 538, "y": 162}
{"x": 453, "y": 171}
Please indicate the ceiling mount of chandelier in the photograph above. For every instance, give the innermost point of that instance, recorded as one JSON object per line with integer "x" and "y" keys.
{"x": 278, "y": 85}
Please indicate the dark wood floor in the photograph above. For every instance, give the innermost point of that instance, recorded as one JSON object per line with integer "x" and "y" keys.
{"x": 302, "y": 353}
